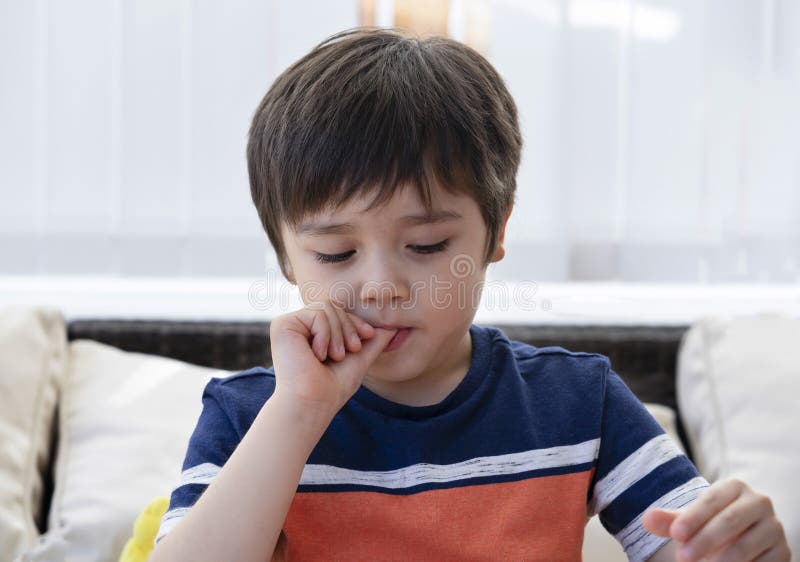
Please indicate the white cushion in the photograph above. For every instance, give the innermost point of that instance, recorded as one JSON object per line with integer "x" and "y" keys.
{"x": 32, "y": 361}
{"x": 598, "y": 544}
{"x": 738, "y": 388}
{"x": 125, "y": 421}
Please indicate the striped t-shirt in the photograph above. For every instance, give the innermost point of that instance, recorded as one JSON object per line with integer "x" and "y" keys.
{"x": 510, "y": 465}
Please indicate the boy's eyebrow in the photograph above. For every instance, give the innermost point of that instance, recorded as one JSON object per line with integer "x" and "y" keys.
{"x": 432, "y": 217}
{"x": 314, "y": 229}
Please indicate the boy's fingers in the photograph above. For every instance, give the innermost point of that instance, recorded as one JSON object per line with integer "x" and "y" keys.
{"x": 779, "y": 552}
{"x": 312, "y": 323}
{"x": 724, "y": 527}
{"x": 365, "y": 329}
{"x": 350, "y": 338}
{"x": 757, "y": 540}
{"x": 373, "y": 347}
{"x": 716, "y": 497}
{"x": 359, "y": 362}
{"x": 321, "y": 332}
{"x": 336, "y": 345}
{"x": 658, "y": 521}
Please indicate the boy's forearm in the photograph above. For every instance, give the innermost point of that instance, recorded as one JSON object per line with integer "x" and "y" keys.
{"x": 240, "y": 515}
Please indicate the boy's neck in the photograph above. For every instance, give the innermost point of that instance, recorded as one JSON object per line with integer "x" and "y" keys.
{"x": 430, "y": 388}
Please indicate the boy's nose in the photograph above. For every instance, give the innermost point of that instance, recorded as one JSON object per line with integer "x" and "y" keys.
{"x": 383, "y": 281}
{"x": 384, "y": 292}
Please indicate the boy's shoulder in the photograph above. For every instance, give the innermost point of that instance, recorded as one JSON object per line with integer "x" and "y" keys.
{"x": 552, "y": 378}
{"x": 247, "y": 381}
{"x": 242, "y": 394}
{"x": 530, "y": 358}
{"x": 246, "y": 377}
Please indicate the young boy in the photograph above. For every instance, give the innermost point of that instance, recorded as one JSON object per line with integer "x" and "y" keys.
{"x": 391, "y": 427}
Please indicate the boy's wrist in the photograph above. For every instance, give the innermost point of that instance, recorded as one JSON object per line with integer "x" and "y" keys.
{"x": 310, "y": 419}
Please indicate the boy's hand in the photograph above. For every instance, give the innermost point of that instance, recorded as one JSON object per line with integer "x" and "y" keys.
{"x": 728, "y": 522}
{"x": 321, "y": 354}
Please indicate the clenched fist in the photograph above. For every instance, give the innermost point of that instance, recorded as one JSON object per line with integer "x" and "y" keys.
{"x": 321, "y": 354}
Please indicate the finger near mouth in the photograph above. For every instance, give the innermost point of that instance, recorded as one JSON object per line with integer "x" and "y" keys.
{"x": 398, "y": 339}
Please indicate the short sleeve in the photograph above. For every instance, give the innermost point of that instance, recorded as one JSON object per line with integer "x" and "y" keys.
{"x": 210, "y": 446}
{"x": 638, "y": 467}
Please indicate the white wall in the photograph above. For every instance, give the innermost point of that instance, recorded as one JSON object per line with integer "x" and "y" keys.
{"x": 662, "y": 137}
{"x": 123, "y": 149}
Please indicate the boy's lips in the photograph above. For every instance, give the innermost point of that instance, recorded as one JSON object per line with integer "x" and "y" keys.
{"x": 398, "y": 339}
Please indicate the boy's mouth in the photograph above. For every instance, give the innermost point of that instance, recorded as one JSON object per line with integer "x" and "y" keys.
{"x": 399, "y": 338}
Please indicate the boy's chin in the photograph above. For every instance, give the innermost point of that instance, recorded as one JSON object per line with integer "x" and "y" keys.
{"x": 393, "y": 367}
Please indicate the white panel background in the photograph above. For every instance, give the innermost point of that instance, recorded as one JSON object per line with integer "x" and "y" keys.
{"x": 662, "y": 138}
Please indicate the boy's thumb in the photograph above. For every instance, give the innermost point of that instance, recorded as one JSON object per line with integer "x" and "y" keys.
{"x": 366, "y": 356}
{"x": 373, "y": 347}
{"x": 658, "y": 521}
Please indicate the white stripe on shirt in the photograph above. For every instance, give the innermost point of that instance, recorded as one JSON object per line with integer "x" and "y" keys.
{"x": 639, "y": 544}
{"x": 414, "y": 475}
{"x": 169, "y": 520}
{"x": 633, "y": 468}
{"x": 200, "y": 474}
{"x": 425, "y": 473}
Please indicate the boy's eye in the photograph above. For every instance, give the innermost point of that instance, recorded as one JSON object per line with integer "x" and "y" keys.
{"x": 337, "y": 258}
{"x": 333, "y": 258}
{"x": 432, "y": 249}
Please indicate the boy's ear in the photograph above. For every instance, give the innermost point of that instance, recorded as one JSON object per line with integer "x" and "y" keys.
{"x": 500, "y": 251}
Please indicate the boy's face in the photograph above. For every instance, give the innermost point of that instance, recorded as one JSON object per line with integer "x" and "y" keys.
{"x": 394, "y": 267}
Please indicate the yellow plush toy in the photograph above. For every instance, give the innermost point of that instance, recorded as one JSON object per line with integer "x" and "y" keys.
{"x": 145, "y": 529}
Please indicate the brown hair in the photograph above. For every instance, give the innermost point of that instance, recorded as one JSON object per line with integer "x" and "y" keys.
{"x": 369, "y": 109}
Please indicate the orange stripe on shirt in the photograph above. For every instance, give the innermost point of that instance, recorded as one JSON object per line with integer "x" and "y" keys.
{"x": 533, "y": 520}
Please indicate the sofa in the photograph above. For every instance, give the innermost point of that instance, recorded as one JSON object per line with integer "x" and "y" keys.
{"x": 95, "y": 415}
